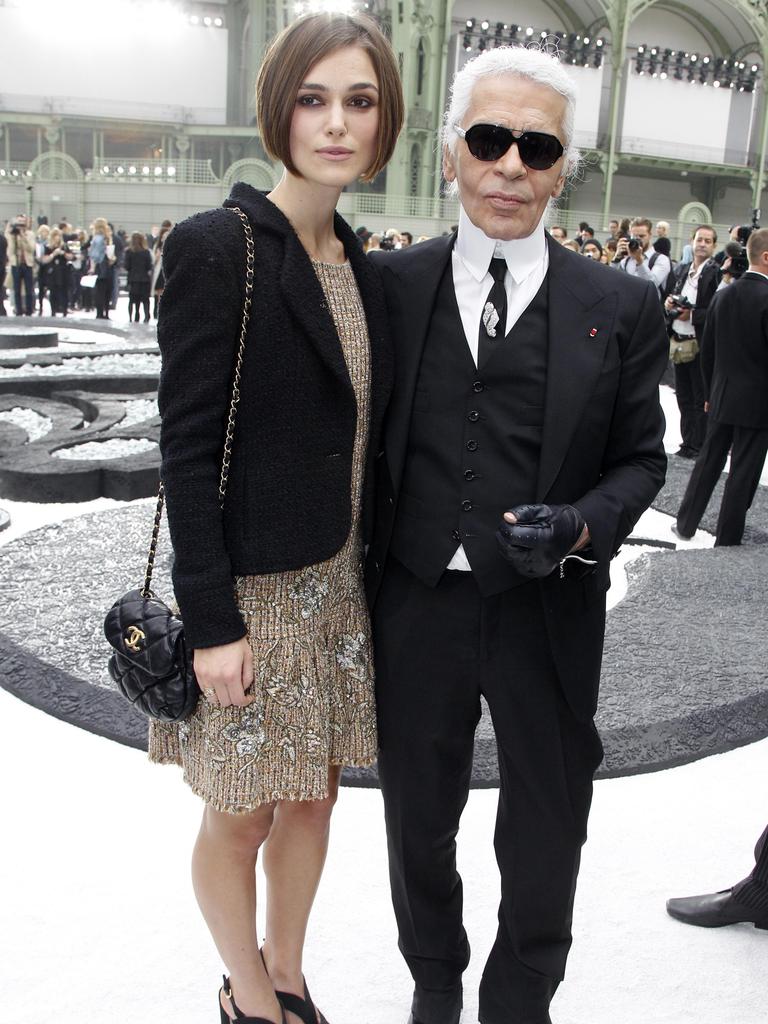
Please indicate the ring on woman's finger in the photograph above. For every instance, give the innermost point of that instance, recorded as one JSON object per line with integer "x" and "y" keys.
{"x": 210, "y": 693}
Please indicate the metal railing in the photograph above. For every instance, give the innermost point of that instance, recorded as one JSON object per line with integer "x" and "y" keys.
{"x": 692, "y": 154}
{"x": 379, "y": 204}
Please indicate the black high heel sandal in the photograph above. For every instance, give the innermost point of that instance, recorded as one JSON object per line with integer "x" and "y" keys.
{"x": 240, "y": 1017}
{"x": 304, "y": 1008}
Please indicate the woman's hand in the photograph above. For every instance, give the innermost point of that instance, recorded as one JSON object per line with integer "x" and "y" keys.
{"x": 228, "y": 670}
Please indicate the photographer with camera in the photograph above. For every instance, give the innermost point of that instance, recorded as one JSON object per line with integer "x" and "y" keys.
{"x": 21, "y": 256}
{"x": 632, "y": 255}
{"x": 686, "y": 312}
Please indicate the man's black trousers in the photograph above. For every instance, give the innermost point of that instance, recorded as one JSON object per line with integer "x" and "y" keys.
{"x": 437, "y": 651}
{"x": 748, "y": 449}
{"x": 689, "y": 392}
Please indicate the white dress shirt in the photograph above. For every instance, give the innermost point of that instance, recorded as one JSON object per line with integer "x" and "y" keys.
{"x": 690, "y": 289}
{"x": 527, "y": 263}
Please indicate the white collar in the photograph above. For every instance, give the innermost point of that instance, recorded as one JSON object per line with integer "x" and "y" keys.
{"x": 757, "y": 273}
{"x": 476, "y": 249}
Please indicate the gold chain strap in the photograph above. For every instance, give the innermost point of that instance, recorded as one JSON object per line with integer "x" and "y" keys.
{"x": 230, "y": 434}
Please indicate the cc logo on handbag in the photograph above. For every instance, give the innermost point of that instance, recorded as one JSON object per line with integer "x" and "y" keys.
{"x": 133, "y": 638}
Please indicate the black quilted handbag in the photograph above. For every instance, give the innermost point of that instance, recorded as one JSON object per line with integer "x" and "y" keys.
{"x": 150, "y": 663}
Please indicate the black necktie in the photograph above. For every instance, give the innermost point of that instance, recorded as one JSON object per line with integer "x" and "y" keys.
{"x": 493, "y": 321}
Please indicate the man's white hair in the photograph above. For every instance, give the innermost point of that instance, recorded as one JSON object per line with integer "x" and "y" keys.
{"x": 532, "y": 64}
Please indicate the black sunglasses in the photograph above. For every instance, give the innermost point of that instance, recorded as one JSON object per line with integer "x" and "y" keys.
{"x": 489, "y": 142}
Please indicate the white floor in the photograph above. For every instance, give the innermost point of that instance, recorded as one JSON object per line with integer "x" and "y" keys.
{"x": 99, "y": 922}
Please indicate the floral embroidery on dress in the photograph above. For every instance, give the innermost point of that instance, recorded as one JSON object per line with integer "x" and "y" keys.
{"x": 310, "y": 590}
{"x": 352, "y": 654}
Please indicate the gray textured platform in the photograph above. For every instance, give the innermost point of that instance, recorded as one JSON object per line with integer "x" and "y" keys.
{"x": 684, "y": 668}
{"x": 32, "y": 338}
{"x": 30, "y": 470}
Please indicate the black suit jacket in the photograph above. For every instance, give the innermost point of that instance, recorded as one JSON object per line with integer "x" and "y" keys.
{"x": 709, "y": 279}
{"x": 288, "y": 501}
{"x": 734, "y": 353}
{"x": 602, "y": 446}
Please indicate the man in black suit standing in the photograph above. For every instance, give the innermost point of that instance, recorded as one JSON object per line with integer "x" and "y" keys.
{"x": 524, "y": 441}
{"x": 734, "y": 363}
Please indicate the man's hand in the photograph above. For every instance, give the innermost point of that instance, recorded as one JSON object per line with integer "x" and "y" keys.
{"x": 622, "y": 248}
{"x": 536, "y": 538}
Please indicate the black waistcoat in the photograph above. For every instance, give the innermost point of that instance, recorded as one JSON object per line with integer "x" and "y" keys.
{"x": 474, "y": 443}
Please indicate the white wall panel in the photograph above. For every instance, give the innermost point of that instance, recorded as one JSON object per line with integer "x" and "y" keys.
{"x": 664, "y": 117}
{"x": 131, "y": 68}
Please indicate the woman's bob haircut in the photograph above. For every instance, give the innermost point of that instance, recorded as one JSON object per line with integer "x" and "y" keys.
{"x": 297, "y": 49}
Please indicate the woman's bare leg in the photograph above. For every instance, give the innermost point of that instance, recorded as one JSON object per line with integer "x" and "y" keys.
{"x": 293, "y": 863}
{"x": 224, "y": 880}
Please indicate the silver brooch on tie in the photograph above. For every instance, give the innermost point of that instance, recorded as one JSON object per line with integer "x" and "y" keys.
{"x": 490, "y": 319}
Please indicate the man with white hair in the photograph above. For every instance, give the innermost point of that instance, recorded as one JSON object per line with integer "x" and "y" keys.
{"x": 524, "y": 441}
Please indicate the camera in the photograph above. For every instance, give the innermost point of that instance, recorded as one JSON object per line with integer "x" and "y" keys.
{"x": 634, "y": 244}
{"x": 679, "y": 304}
{"x": 737, "y": 253}
{"x": 15, "y": 229}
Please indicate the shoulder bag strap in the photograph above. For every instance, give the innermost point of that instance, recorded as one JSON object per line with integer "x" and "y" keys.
{"x": 234, "y": 401}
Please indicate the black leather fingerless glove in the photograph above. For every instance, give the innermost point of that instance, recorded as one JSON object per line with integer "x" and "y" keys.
{"x": 539, "y": 540}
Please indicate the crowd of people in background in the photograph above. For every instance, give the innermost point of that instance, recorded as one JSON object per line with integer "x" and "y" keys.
{"x": 74, "y": 269}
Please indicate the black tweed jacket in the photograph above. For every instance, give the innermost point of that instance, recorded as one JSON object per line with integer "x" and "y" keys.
{"x": 288, "y": 500}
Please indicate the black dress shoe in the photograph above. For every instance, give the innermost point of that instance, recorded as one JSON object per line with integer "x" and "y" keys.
{"x": 679, "y": 533}
{"x": 686, "y": 452}
{"x": 714, "y": 911}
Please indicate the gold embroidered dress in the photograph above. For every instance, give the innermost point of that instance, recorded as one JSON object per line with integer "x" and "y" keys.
{"x": 310, "y": 637}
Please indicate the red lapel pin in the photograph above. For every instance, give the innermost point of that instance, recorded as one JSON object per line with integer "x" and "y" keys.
{"x": 593, "y": 332}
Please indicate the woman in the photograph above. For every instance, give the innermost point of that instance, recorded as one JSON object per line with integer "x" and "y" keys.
{"x": 158, "y": 278}
{"x": 102, "y": 257}
{"x": 53, "y": 268}
{"x": 138, "y": 269}
{"x": 41, "y": 241}
{"x": 282, "y": 653}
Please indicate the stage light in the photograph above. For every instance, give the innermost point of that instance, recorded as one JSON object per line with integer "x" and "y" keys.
{"x": 121, "y": 170}
{"x": 132, "y": 169}
{"x": 600, "y": 42}
{"x": 194, "y": 19}
{"x": 171, "y": 172}
{"x": 145, "y": 169}
{"x": 218, "y": 22}
{"x": 158, "y": 171}
{"x": 105, "y": 169}
{"x": 485, "y": 25}
{"x": 207, "y": 21}
{"x": 529, "y": 32}
{"x": 15, "y": 173}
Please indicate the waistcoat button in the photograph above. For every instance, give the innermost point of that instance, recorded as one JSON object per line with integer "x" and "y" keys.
{"x": 478, "y": 386}
{"x": 472, "y": 446}
{"x": 473, "y": 416}
{"x": 466, "y": 505}
{"x": 468, "y": 474}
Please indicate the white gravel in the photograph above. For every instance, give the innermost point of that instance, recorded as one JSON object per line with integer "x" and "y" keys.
{"x": 36, "y": 426}
{"x": 126, "y": 363}
{"x": 138, "y": 410}
{"x": 115, "y": 448}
